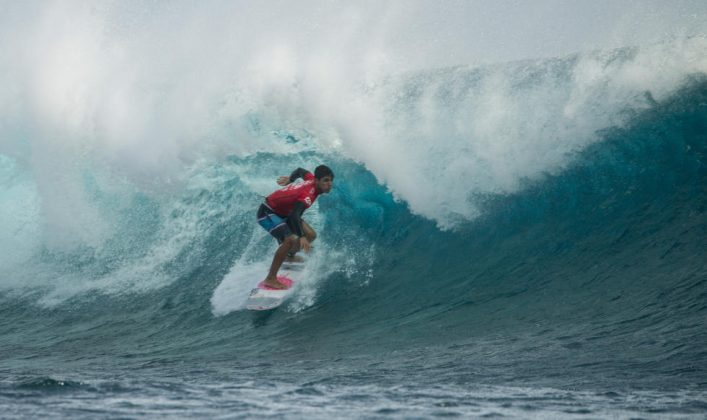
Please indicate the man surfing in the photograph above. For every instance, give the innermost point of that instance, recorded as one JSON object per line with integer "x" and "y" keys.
{"x": 281, "y": 216}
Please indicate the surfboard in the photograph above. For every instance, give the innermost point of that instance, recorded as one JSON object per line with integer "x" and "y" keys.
{"x": 263, "y": 297}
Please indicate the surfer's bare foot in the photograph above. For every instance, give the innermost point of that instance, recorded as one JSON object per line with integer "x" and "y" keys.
{"x": 294, "y": 259}
{"x": 273, "y": 283}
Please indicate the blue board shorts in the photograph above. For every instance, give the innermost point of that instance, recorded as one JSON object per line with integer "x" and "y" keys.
{"x": 273, "y": 224}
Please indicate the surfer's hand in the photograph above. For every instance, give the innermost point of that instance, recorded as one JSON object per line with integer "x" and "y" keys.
{"x": 304, "y": 244}
{"x": 283, "y": 180}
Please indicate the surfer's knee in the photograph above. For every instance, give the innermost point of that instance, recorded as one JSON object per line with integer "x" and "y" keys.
{"x": 292, "y": 242}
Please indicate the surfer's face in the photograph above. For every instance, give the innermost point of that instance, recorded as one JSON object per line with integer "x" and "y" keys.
{"x": 324, "y": 184}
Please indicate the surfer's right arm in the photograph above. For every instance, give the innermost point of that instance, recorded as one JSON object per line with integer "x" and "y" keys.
{"x": 297, "y": 173}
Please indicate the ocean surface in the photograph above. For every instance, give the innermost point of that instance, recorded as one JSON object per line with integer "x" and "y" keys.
{"x": 523, "y": 239}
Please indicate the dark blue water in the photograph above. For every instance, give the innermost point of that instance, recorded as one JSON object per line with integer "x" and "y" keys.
{"x": 581, "y": 293}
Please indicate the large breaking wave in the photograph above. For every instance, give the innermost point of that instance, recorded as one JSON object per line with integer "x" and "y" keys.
{"x": 557, "y": 199}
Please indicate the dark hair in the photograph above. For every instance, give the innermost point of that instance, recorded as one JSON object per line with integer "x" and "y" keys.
{"x": 322, "y": 170}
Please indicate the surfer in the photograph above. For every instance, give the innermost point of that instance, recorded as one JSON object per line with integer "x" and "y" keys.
{"x": 281, "y": 215}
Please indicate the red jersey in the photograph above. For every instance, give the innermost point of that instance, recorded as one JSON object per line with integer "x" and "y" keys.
{"x": 283, "y": 200}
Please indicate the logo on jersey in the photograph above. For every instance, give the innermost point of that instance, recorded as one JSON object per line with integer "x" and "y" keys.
{"x": 308, "y": 201}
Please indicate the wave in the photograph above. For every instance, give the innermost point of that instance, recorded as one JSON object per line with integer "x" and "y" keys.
{"x": 558, "y": 199}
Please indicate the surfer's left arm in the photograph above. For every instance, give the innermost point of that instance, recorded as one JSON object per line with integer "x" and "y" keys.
{"x": 297, "y": 173}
